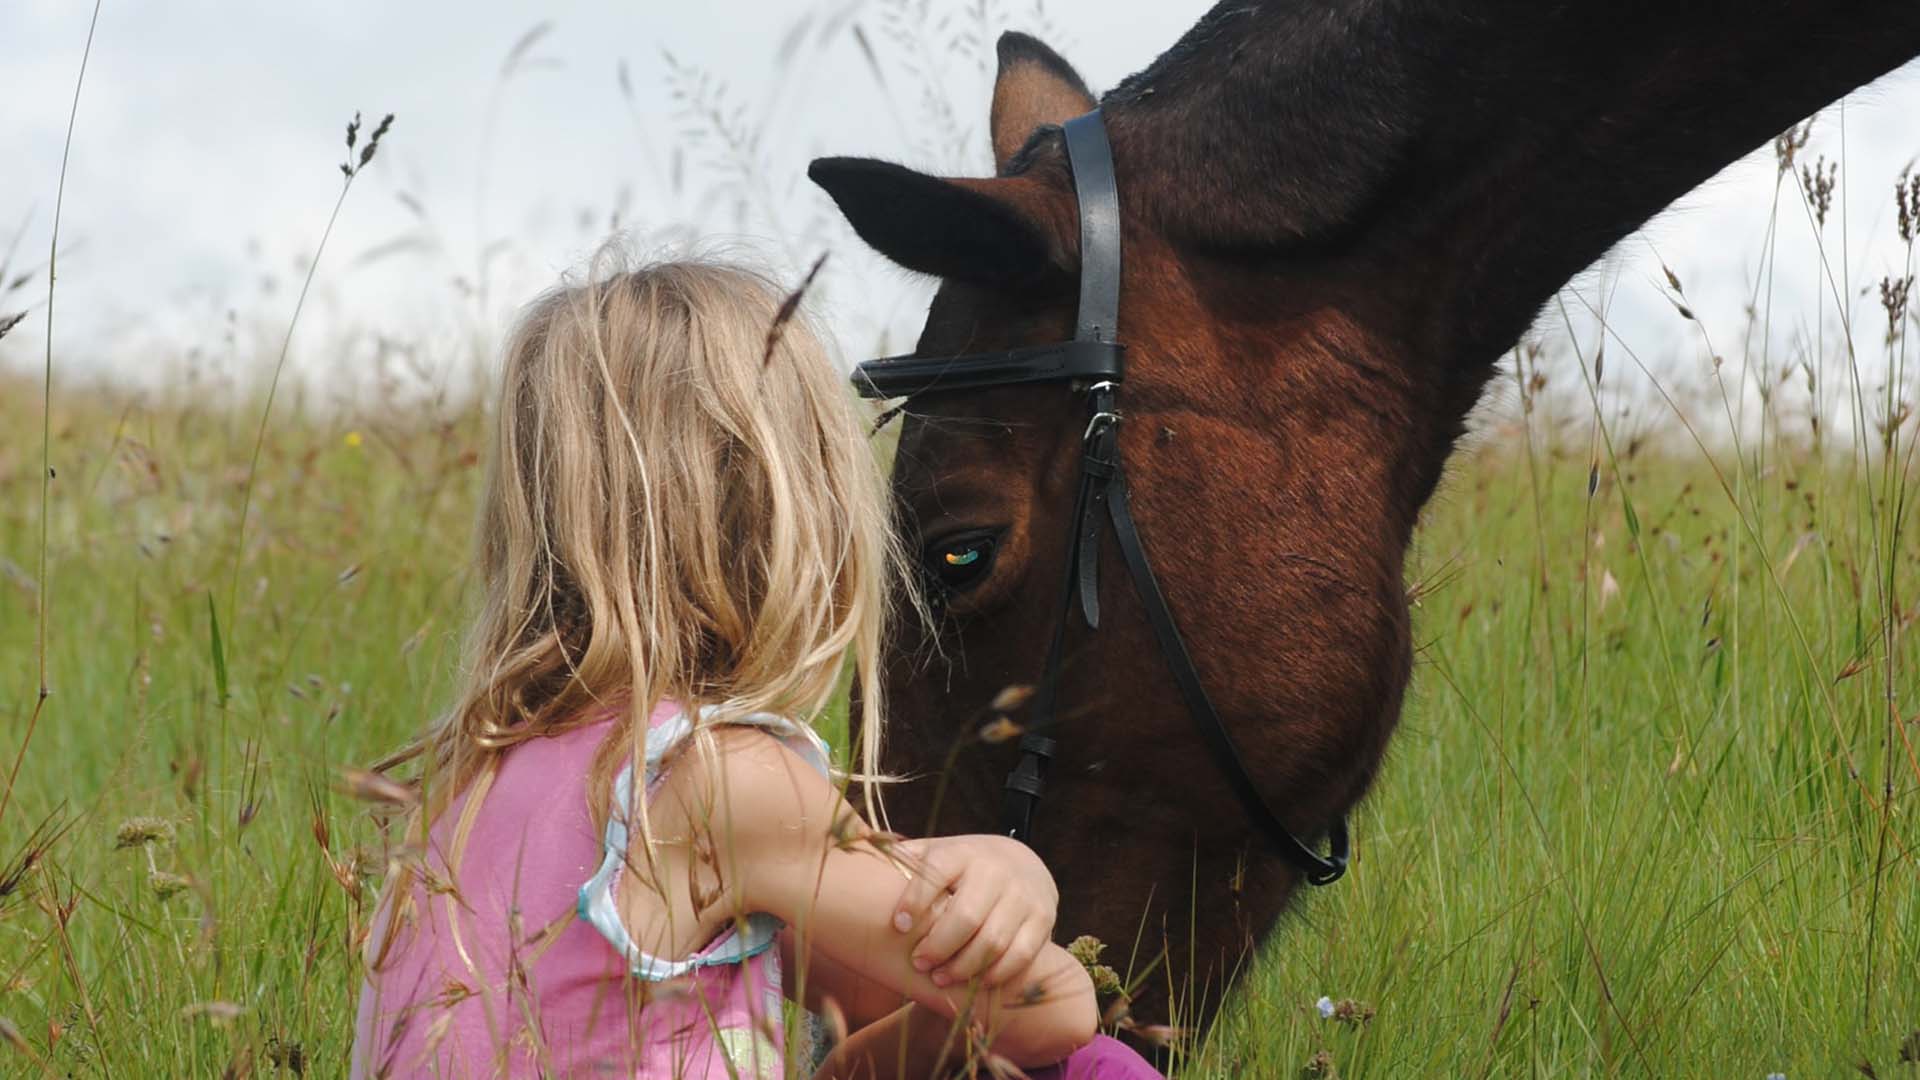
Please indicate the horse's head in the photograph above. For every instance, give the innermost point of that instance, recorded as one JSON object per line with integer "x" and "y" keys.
{"x": 1277, "y": 540}
{"x": 1336, "y": 217}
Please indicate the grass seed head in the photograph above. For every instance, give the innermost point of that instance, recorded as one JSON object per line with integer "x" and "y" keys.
{"x": 143, "y": 830}
{"x": 437, "y": 1031}
{"x": 833, "y": 1021}
{"x": 1351, "y": 1012}
{"x": 351, "y": 168}
{"x": 789, "y": 308}
{"x": 1893, "y": 299}
{"x": 999, "y": 730}
{"x": 1087, "y": 949}
{"x": 1011, "y": 698}
{"x": 1788, "y": 144}
{"x": 1818, "y": 180}
{"x": 373, "y": 143}
{"x": 166, "y": 885}
{"x": 1160, "y": 1035}
{"x": 287, "y": 1054}
{"x": 1000, "y": 1068}
{"x": 218, "y": 1012}
{"x": 368, "y": 786}
{"x": 1910, "y": 1048}
{"x": 1906, "y": 205}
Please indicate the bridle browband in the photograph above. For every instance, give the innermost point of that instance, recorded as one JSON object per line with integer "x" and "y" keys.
{"x": 1092, "y": 363}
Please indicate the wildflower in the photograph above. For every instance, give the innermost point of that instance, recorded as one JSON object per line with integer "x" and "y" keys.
{"x": 352, "y": 439}
{"x": 1325, "y": 1005}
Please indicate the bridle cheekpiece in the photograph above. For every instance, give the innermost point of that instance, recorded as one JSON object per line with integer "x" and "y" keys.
{"x": 1094, "y": 363}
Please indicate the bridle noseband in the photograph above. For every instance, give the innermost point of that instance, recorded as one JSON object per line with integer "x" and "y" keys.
{"x": 1092, "y": 362}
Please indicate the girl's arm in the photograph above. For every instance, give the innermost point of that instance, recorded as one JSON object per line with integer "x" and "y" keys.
{"x": 824, "y": 985}
{"x": 882, "y": 1036}
{"x": 910, "y": 1042}
{"x": 790, "y": 845}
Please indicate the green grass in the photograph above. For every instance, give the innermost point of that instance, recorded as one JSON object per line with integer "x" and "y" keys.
{"x": 1634, "y": 821}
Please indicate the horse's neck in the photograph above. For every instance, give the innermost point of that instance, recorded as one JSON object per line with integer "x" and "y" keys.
{"x": 1473, "y": 156}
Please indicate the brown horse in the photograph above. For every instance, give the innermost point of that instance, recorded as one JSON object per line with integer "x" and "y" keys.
{"x": 1337, "y": 216}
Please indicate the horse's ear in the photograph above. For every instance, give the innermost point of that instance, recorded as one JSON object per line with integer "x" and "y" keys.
{"x": 1034, "y": 88}
{"x": 984, "y": 232}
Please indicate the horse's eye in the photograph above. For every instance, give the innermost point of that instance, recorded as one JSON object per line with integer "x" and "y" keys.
{"x": 958, "y": 563}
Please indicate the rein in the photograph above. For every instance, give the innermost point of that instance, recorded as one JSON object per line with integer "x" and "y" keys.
{"x": 1094, "y": 362}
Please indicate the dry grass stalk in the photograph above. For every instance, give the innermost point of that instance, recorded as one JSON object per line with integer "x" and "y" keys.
{"x": 789, "y": 308}
{"x": 46, "y": 433}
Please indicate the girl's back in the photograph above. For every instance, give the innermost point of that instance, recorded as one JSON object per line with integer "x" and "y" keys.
{"x": 489, "y": 971}
{"x": 439, "y": 958}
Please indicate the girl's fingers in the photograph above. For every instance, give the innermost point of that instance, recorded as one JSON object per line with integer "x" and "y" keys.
{"x": 1019, "y": 955}
{"x": 982, "y": 950}
{"x": 965, "y": 914}
{"x": 930, "y": 881}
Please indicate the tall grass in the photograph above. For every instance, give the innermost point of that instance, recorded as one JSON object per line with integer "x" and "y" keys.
{"x": 1648, "y": 812}
{"x": 1623, "y": 830}
{"x": 240, "y": 928}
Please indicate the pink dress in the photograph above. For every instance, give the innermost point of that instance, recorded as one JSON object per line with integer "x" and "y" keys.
{"x": 527, "y": 969}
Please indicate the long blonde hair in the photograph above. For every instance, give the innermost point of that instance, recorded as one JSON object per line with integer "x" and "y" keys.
{"x": 680, "y": 505}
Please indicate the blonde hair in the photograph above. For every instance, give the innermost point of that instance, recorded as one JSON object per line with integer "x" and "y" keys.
{"x": 680, "y": 505}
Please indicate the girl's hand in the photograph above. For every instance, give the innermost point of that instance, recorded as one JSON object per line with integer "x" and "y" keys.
{"x": 978, "y": 907}
{"x": 802, "y": 855}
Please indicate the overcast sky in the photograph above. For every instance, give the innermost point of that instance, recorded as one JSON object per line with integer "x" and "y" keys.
{"x": 204, "y": 165}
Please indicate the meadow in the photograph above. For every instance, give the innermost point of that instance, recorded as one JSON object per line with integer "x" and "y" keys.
{"x": 1649, "y": 811}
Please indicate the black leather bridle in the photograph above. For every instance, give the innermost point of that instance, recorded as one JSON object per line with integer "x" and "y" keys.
{"x": 1092, "y": 362}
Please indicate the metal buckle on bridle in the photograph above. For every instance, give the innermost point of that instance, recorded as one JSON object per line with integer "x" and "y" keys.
{"x": 1103, "y": 419}
{"x": 1093, "y": 356}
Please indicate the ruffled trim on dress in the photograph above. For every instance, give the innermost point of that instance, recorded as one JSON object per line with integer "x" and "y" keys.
{"x": 745, "y": 938}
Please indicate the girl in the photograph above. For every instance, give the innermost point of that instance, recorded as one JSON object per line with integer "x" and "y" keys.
{"x": 629, "y": 842}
